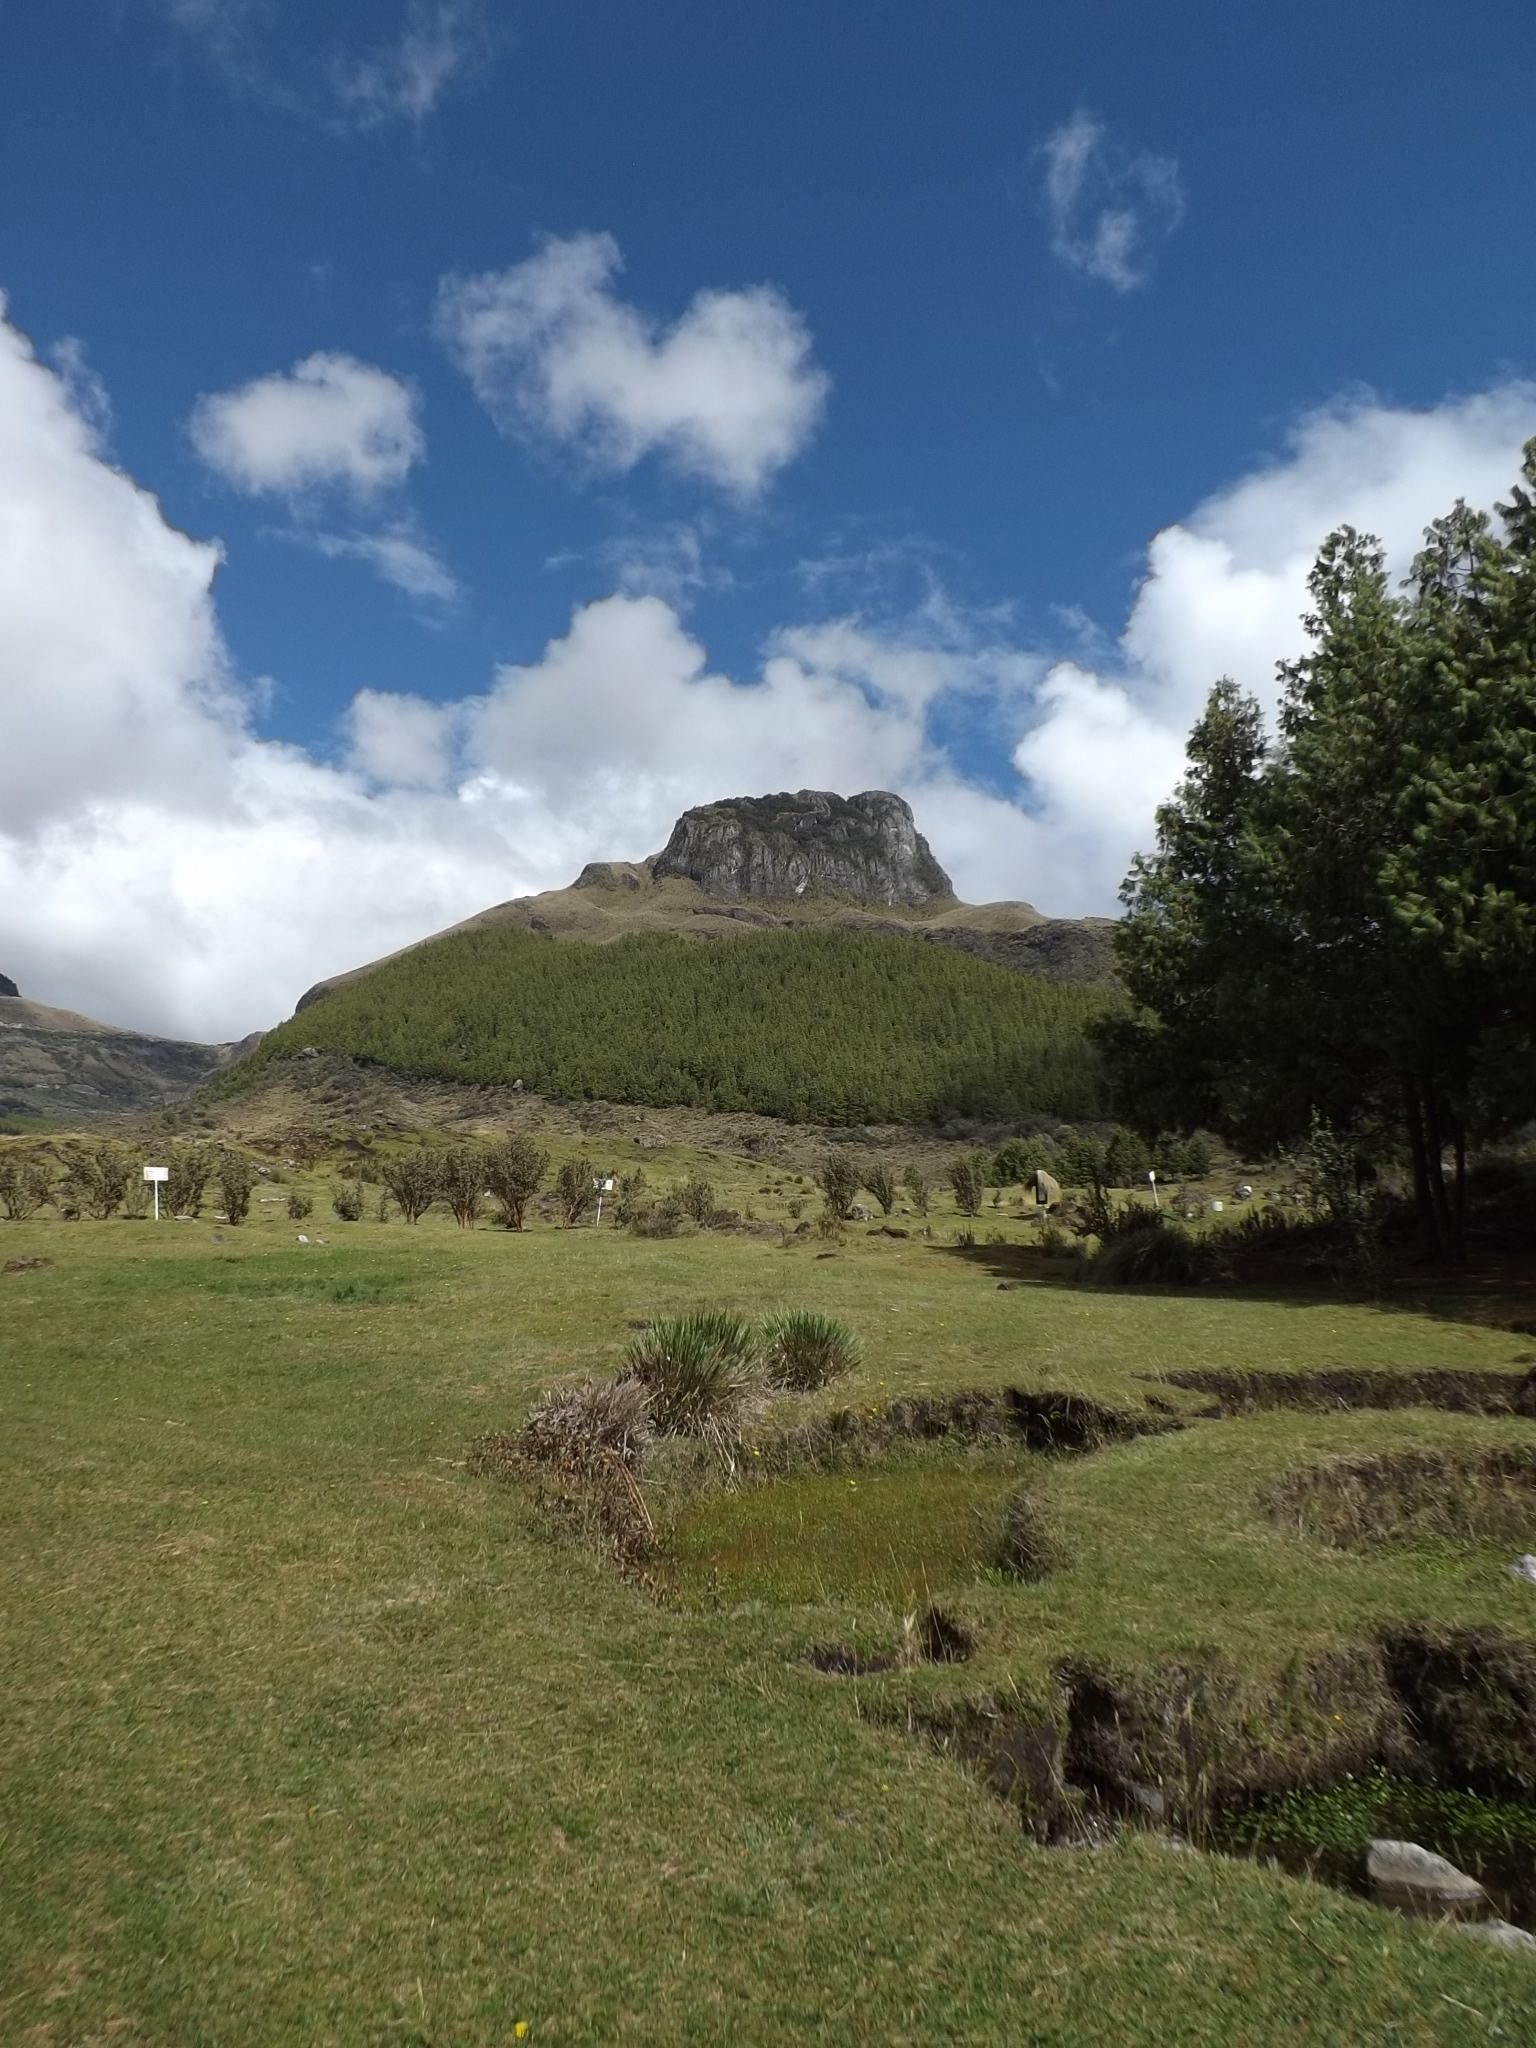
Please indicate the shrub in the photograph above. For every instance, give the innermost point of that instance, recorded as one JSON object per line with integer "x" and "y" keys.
{"x": 236, "y": 1177}
{"x": 881, "y": 1183}
{"x": 574, "y": 1191}
{"x": 840, "y": 1179}
{"x": 698, "y": 1199}
{"x": 461, "y": 1175}
{"x": 658, "y": 1219}
{"x": 347, "y": 1202}
{"x": 917, "y": 1187}
{"x": 188, "y": 1172}
{"x": 299, "y": 1206}
{"x": 1016, "y": 1161}
{"x": 1053, "y": 1239}
{"x": 96, "y": 1181}
{"x": 969, "y": 1180}
{"x": 796, "y": 1209}
{"x": 804, "y": 1349}
{"x": 1154, "y": 1254}
{"x": 828, "y": 1227}
{"x": 703, "y": 1373}
{"x": 514, "y": 1172}
{"x": 632, "y": 1193}
{"x": 578, "y": 1428}
{"x": 410, "y": 1179}
{"x": 25, "y": 1185}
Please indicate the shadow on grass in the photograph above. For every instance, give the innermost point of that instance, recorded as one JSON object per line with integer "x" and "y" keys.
{"x": 1488, "y": 1294}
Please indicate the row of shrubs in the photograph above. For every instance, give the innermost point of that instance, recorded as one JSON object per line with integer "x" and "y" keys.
{"x": 102, "y": 1181}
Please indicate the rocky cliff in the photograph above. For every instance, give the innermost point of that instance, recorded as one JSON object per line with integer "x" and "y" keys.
{"x": 8, "y": 987}
{"x": 865, "y": 849}
{"x": 57, "y": 1064}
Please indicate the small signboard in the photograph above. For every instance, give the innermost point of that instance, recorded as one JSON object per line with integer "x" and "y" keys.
{"x": 154, "y": 1175}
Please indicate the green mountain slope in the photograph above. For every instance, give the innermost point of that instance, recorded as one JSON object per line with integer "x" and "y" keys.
{"x": 831, "y": 1026}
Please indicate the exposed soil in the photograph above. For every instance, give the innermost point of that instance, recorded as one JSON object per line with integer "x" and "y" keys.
{"x": 1467, "y": 1393}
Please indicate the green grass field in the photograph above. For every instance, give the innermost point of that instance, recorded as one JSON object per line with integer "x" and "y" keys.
{"x": 312, "y": 1736}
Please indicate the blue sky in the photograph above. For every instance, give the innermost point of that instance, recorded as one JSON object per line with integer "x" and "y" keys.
{"x": 999, "y": 294}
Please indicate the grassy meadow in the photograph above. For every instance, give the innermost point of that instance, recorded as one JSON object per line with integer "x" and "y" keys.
{"x": 311, "y": 1735}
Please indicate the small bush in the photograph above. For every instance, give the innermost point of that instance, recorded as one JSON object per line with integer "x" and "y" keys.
{"x": 514, "y": 1172}
{"x": 577, "y": 1428}
{"x": 410, "y": 1179}
{"x": 25, "y": 1185}
{"x": 574, "y": 1192}
{"x": 804, "y": 1349}
{"x": 461, "y": 1176}
{"x": 698, "y": 1200}
{"x": 917, "y": 1187}
{"x": 703, "y": 1373}
{"x": 1153, "y": 1255}
{"x": 299, "y": 1206}
{"x": 97, "y": 1180}
{"x": 881, "y": 1183}
{"x": 968, "y": 1178}
{"x": 236, "y": 1177}
{"x": 658, "y": 1219}
{"x": 189, "y": 1170}
{"x": 840, "y": 1179}
{"x": 347, "y": 1202}
{"x": 796, "y": 1209}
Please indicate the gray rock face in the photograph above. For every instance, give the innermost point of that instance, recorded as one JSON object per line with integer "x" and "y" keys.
{"x": 8, "y": 987}
{"x": 865, "y": 848}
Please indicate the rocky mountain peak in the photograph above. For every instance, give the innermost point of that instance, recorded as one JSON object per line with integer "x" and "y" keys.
{"x": 8, "y": 987}
{"x": 866, "y": 848}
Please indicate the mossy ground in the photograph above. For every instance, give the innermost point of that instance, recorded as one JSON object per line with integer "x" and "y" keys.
{"x": 312, "y": 1736}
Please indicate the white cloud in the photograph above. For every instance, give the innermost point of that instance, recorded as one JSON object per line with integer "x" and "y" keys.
{"x": 728, "y": 393}
{"x": 163, "y": 865}
{"x": 401, "y": 740}
{"x": 1108, "y": 208}
{"x": 404, "y": 80}
{"x": 330, "y": 421}
{"x": 397, "y": 554}
{"x": 436, "y": 47}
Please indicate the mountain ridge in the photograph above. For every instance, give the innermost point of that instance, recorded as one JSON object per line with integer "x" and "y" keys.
{"x": 813, "y": 838}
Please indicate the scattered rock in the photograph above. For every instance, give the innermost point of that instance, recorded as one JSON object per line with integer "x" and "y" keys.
{"x": 1415, "y": 1880}
{"x": 1524, "y": 1567}
{"x": 1501, "y": 1934}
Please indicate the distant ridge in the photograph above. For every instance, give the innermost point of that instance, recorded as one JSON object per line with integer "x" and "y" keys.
{"x": 58, "y": 1064}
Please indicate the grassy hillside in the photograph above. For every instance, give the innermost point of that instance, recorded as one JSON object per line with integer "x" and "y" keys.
{"x": 830, "y": 1026}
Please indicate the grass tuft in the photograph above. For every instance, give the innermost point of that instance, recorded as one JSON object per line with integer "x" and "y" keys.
{"x": 702, "y": 1372}
{"x": 804, "y": 1349}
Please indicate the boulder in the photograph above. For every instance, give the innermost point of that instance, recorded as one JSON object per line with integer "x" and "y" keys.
{"x": 1415, "y": 1880}
{"x": 1502, "y": 1935}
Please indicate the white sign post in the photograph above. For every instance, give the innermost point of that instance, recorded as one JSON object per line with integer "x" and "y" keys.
{"x": 1152, "y": 1183}
{"x": 154, "y": 1175}
{"x": 604, "y": 1186}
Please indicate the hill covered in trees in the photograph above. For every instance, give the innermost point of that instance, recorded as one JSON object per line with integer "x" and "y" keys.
{"x": 828, "y": 1026}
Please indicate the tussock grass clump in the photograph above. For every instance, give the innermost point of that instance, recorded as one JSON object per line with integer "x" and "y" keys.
{"x": 576, "y": 1428}
{"x": 1029, "y": 1548}
{"x": 804, "y": 1349}
{"x": 1153, "y": 1255}
{"x": 703, "y": 1373}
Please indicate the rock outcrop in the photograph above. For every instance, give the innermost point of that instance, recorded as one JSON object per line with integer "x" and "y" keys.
{"x": 864, "y": 849}
{"x": 8, "y": 987}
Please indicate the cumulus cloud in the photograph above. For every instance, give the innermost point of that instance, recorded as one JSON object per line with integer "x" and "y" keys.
{"x": 164, "y": 865}
{"x": 329, "y": 421}
{"x": 728, "y": 393}
{"x": 1109, "y": 208}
